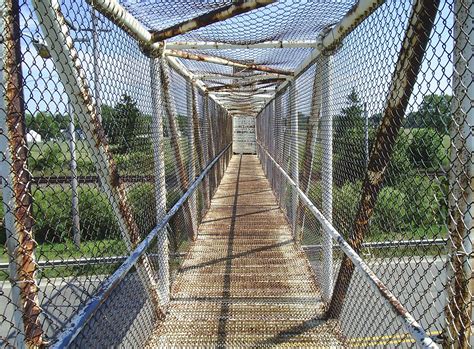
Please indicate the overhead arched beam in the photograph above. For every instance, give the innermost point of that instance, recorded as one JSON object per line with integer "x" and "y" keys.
{"x": 217, "y": 15}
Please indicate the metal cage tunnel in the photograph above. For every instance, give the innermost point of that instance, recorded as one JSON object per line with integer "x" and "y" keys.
{"x": 230, "y": 173}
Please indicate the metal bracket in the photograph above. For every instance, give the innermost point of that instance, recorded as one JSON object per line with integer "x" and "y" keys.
{"x": 331, "y": 50}
{"x": 150, "y": 50}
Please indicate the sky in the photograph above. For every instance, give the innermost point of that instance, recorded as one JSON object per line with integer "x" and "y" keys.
{"x": 365, "y": 62}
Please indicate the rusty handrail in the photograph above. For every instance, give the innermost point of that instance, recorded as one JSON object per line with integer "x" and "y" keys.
{"x": 75, "y": 325}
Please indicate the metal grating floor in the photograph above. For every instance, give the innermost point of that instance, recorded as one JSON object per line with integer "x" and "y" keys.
{"x": 244, "y": 282}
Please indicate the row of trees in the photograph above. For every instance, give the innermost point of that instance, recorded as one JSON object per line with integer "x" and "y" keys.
{"x": 124, "y": 124}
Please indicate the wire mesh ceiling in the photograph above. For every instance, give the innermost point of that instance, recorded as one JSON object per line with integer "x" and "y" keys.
{"x": 291, "y": 22}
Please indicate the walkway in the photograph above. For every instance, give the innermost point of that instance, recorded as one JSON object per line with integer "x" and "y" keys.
{"x": 244, "y": 282}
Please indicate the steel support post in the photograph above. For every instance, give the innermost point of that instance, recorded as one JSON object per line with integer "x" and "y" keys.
{"x": 95, "y": 52}
{"x": 294, "y": 156}
{"x": 182, "y": 173}
{"x": 192, "y": 151}
{"x": 76, "y": 223}
{"x": 279, "y": 149}
{"x": 198, "y": 146}
{"x": 209, "y": 145}
{"x": 310, "y": 145}
{"x": 162, "y": 247}
{"x": 459, "y": 283}
{"x": 16, "y": 179}
{"x": 327, "y": 183}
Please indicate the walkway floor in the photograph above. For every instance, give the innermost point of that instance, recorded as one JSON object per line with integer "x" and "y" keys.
{"x": 244, "y": 282}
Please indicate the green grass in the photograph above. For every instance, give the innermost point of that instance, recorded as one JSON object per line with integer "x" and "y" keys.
{"x": 52, "y": 158}
{"x": 66, "y": 250}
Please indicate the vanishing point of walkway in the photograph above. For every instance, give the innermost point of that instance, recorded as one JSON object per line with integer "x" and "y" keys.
{"x": 245, "y": 283}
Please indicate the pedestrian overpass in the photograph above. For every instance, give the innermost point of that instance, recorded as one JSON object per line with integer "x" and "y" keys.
{"x": 236, "y": 173}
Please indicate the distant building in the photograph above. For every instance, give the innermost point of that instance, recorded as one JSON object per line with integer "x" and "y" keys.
{"x": 33, "y": 136}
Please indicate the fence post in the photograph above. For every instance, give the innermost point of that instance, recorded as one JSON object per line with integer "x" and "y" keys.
{"x": 162, "y": 248}
{"x": 170, "y": 113}
{"x": 327, "y": 183}
{"x": 293, "y": 115}
{"x": 199, "y": 148}
{"x": 76, "y": 224}
{"x": 209, "y": 145}
{"x": 279, "y": 148}
{"x": 310, "y": 146}
{"x": 458, "y": 309}
{"x": 16, "y": 189}
{"x": 192, "y": 165}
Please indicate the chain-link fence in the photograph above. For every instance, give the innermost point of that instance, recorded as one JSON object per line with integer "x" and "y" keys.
{"x": 99, "y": 141}
{"x": 106, "y": 126}
{"x": 376, "y": 134}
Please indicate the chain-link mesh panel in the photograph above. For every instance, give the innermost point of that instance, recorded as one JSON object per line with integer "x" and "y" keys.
{"x": 94, "y": 172}
{"x": 342, "y": 106}
{"x": 103, "y": 132}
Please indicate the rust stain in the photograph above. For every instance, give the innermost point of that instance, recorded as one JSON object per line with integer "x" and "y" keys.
{"x": 208, "y": 18}
{"x": 24, "y": 254}
{"x": 225, "y": 61}
{"x": 244, "y": 280}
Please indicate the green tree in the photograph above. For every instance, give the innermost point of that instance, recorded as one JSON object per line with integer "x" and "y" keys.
{"x": 349, "y": 141}
{"x": 124, "y": 123}
{"x": 45, "y": 124}
{"x": 426, "y": 149}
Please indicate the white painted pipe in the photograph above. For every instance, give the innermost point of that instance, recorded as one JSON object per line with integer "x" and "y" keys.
{"x": 192, "y": 152}
{"x": 160, "y": 184}
{"x": 459, "y": 269}
{"x": 122, "y": 18}
{"x": 76, "y": 225}
{"x": 294, "y": 153}
{"x": 327, "y": 180}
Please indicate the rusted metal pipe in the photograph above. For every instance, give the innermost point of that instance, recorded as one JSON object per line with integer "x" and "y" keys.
{"x": 217, "y": 15}
{"x": 404, "y": 78}
{"x": 459, "y": 281}
{"x": 238, "y": 85}
{"x": 206, "y": 45}
{"x": 224, "y": 61}
{"x": 238, "y": 78}
{"x": 18, "y": 216}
